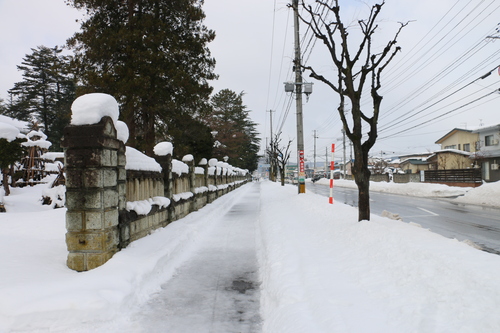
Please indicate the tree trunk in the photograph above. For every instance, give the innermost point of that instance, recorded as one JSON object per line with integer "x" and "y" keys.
{"x": 282, "y": 174}
{"x": 361, "y": 175}
{"x": 5, "y": 181}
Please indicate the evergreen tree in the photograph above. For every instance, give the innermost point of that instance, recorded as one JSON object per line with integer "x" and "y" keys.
{"x": 46, "y": 92}
{"x": 151, "y": 55}
{"x": 235, "y": 131}
{"x": 189, "y": 136}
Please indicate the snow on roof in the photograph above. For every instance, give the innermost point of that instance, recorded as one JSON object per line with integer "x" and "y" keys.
{"x": 486, "y": 128}
{"x": 8, "y": 132}
{"x": 163, "y": 149}
{"x": 455, "y": 151}
{"x": 140, "y": 162}
{"x": 89, "y": 109}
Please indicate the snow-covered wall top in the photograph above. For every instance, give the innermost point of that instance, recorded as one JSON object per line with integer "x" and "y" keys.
{"x": 140, "y": 162}
{"x": 187, "y": 158}
{"x": 163, "y": 149}
{"x": 89, "y": 109}
{"x": 122, "y": 132}
{"x": 179, "y": 167}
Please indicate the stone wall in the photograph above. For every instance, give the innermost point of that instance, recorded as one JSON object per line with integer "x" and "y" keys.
{"x": 101, "y": 194}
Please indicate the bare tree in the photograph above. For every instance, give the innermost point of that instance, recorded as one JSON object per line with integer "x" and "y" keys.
{"x": 283, "y": 155}
{"x": 354, "y": 71}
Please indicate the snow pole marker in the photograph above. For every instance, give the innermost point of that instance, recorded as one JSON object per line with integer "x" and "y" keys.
{"x": 332, "y": 167}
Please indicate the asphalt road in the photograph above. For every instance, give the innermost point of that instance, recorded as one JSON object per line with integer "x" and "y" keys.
{"x": 480, "y": 225}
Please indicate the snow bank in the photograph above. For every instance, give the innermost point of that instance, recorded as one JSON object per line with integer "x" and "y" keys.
{"x": 412, "y": 189}
{"x": 138, "y": 161}
{"x": 487, "y": 194}
{"x": 324, "y": 272}
{"x": 89, "y": 109}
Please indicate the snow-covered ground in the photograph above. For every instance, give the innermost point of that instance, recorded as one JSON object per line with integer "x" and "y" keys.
{"x": 486, "y": 195}
{"x": 321, "y": 271}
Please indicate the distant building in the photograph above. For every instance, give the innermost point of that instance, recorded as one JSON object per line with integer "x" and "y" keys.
{"x": 488, "y": 153}
{"x": 459, "y": 139}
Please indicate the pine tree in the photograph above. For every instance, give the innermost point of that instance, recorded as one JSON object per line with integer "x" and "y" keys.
{"x": 235, "y": 131}
{"x": 46, "y": 92}
{"x": 151, "y": 55}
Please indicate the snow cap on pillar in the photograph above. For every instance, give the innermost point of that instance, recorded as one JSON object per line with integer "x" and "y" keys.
{"x": 89, "y": 109}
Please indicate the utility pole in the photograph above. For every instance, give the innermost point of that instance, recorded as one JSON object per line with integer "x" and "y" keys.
{"x": 298, "y": 94}
{"x": 271, "y": 150}
{"x": 326, "y": 158}
{"x": 315, "y": 137}
{"x": 345, "y": 164}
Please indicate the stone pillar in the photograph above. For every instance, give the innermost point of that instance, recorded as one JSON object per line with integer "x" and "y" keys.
{"x": 95, "y": 189}
{"x": 165, "y": 161}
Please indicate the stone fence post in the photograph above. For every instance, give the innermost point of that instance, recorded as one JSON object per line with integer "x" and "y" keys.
{"x": 95, "y": 190}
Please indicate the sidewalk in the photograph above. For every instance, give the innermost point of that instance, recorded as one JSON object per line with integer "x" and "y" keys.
{"x": 217, "y": 289}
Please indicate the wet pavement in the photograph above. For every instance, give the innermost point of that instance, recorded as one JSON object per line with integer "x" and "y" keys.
{"x": 217, "y": 290}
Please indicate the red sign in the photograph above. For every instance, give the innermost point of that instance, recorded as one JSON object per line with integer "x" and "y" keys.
{"x": 301, "y": 161}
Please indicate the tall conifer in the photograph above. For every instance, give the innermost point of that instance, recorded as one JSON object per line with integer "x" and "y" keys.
{"x": 46, "y": 92}
{"x": 151, "y": 55}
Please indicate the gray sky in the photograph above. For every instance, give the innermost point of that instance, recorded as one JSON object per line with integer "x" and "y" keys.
{"x": 443, "y": 48}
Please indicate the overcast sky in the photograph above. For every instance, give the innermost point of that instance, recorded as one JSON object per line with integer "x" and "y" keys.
{"x": 444, "y": 47}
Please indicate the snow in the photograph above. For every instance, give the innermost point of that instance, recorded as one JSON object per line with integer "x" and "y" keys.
{"x": 52, "y": 156}
{"x": 143, "y": 207}
{"x": 188, "y": 158}
{"x": 179, "y": 167}
{"x": 487, "y": 194}
{"x": 8, "y": 132}
{"x": 41, "y": 142}
{"x": 122, "y": 132}
{"x": 182, "y": 196}
{"x": 320, "y": 269}
{"x": 411, "y": 189}
{"x": 138, "y": 161}
{"x": 163, "y": 149}
{"x": 22, "y": 126}
{"x": 89, "y": 109}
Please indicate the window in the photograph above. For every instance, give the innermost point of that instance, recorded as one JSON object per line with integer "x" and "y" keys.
{"x": 450, "y": 147}
{"x": 467, "y": 147}
{"x": 488, "y": 140}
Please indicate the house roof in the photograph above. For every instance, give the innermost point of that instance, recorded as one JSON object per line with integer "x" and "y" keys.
{"x": 415, "y": 162}
{"x": 454, "y": 151}
{"x": 485, "y": 154}
{"x": 487, "y": 128}
{"x": 452, "y": 132}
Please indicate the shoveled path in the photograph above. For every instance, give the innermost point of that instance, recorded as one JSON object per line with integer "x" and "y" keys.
{"x": 217, "y": 290}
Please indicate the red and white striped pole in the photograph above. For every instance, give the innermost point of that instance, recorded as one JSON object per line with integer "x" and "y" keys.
{"x": 332, "y": 167}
